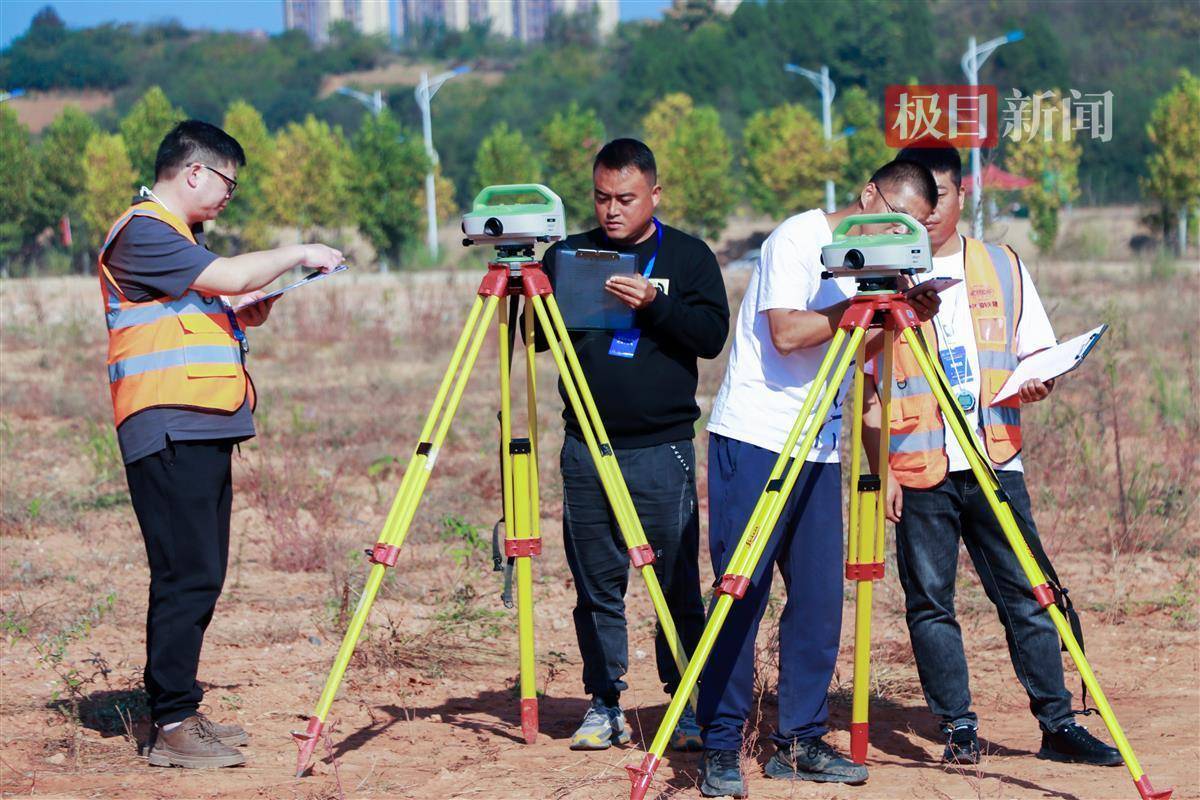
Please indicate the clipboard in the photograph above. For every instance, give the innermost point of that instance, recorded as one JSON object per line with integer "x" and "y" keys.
{"x": 305, "y": 281}
{"x": 579, "y": 278}
{"x": 1050, "y": 363}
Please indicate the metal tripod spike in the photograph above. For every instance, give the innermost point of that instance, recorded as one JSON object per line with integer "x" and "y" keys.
{"x": 865, "y": 550}
{"x": 515, "y": 274}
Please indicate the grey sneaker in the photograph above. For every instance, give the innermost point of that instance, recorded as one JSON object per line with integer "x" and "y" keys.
{"x": 814, "y": 760}
{"x": 602, "y": 727}
{"x": 192, "y": 745}
{"x": 686, "y": 736}
{"x": 721, "y": 774}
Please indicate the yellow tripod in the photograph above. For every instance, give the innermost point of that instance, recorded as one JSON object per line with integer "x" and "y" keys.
{"x": 514, "y": 274}
{"x": 877, "y": 306}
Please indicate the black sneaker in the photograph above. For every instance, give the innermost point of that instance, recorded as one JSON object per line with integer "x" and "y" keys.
{"x": 962, "y": 746}
{"x": 814, "y": 760}
{"x": 721, "y": 774}
{"x": 1074, "y": 745}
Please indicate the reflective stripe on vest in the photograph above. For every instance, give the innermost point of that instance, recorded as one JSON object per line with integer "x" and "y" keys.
{"x": 179, "y": 352}
{"x": 918, "y": 432}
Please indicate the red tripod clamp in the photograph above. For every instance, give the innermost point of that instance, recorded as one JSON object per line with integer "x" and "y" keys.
{"x": 523, "y": 548}
{"x": 733, "y": 585}
{"x": 641, "y": 556}
{"x": 867, "y": 571}
{"x": 383, "y": 553}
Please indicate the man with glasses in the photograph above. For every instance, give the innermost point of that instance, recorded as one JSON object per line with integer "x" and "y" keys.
{"x": 181, "y": 400}
{"x": 788, "y": 315}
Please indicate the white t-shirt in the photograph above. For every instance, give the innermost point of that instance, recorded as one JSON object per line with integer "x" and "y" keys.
{"x": 763, "y": 390}
{"x": 957, "y": 349}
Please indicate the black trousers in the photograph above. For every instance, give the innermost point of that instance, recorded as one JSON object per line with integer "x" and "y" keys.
{"x": 182, "y": 496}
{"x": 662, "y": 483}
{"x": 927, "y": 540}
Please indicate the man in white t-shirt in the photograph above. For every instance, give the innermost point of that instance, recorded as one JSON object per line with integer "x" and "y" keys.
{"x": 787, "y": 317}
{"x": 986, "y": 325}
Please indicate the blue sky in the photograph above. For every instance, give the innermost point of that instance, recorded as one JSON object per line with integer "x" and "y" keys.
{"x": 264, "y": 15}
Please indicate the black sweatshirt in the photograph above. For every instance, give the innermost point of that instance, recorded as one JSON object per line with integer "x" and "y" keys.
{"x": 651, "y": 398}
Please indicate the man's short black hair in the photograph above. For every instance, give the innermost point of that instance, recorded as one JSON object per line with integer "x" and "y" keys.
{"x": 621, "y": 153}
{"x": 937, "y": 157}
{"x": 193, "y": 141}
{"x": 901, "y": 172}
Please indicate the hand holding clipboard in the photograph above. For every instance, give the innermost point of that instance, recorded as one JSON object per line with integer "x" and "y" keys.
{"x": 1048, "y": 364}
{"x": 307, "y": 280}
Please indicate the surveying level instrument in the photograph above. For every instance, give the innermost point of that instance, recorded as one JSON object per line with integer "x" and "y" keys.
{"x": 514, "y": 274}
{"x": 879, "y": 306}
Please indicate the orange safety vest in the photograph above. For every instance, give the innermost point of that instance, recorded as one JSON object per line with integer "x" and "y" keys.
{"x": 184, "y": 352}
{"x": 918, "y": 433}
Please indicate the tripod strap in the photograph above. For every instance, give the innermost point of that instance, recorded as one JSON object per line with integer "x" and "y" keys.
{"x": 500, "y": 564}
{"x": 1062, "y": 597}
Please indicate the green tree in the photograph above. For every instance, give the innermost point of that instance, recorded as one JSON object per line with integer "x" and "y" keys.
{"x": 144, "y": 127}
{"x": 694, "y": 158}
{"x": 788, "y": 160}
{"x": 18, "y": 174}
{"x": 1174, "y": 166}
{"x": 389, "y": 182}
{"x": 571, "y": 139}
{"x": 1042, "y": 148}
{"x": 249, "y": 208}
{"x": 866, "y": 148}
{"x": 108, "y": 181}
{"x": 505, "y": 157}
{"x": 60, "y": 191}
{"x": 309, "y": 182}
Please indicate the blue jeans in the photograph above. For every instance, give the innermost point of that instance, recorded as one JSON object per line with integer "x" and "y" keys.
{"x": 662, "y": 483}
{"x": 931, "y": 525}
{"x": 807, "y": 546}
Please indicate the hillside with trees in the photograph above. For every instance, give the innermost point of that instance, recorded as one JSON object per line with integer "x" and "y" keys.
{"x": 732, "y": 128}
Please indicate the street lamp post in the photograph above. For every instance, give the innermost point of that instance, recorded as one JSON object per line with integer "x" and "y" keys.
{"x": 972, "y": 60}
{"x": 373, "y": 101}
{"x": 828, "y": 90}
{"x": 424, "y": 93}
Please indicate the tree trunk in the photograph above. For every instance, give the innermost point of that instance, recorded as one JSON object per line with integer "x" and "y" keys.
{"x": 1182, "y": 233}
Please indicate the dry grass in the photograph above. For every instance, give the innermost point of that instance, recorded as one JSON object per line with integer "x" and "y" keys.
{"x": 346, "y": 372}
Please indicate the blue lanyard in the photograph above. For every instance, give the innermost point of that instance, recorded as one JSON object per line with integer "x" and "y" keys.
{"x": 657, "y": 246}
{"x": 238, "y": 333}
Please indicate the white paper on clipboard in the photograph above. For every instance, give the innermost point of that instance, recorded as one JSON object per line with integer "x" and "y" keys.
{"x": 305, "y": 281}
{"x": 1050, "y": 363}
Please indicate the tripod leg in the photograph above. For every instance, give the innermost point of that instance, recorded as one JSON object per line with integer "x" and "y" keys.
{"x": 640, "y": 553}
{"x": 865, "y": 553}
{"x": 732, "y": 586}
{"x": 1037, "y": 579}
{"x": 400, "y": 516}
{"x": 522, "y": 545}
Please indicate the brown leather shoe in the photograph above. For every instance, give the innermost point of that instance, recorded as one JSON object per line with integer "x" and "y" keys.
{"x": 232, "y": 735}
{"x": 192, "y": 745}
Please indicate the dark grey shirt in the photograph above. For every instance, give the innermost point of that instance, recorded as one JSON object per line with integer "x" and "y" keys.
{"x": 149, "y": 260}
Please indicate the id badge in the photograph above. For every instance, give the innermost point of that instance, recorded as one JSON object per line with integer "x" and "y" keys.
{"x": 954, "y": 362}
{"x": 624, "y": 343}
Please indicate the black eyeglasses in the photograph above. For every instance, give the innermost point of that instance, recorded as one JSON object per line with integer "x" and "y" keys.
{"x": 231, "y": 184}
{"x": 878, "y": 191}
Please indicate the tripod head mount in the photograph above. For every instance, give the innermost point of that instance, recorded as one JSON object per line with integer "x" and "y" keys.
{"x": 876, "y": 260}
{"x": 496, "y": 219}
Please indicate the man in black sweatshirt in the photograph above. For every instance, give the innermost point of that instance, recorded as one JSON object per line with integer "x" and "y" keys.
{"x": 644, "y": 384}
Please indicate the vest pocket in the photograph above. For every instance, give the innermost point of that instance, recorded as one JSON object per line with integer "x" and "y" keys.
{"x": 209, "y": 351}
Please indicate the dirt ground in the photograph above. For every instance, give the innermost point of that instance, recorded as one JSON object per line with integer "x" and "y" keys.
{"x": 428, "y": 708}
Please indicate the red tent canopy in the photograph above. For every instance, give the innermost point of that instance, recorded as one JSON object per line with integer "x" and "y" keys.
{"x": 996, "y": 178}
